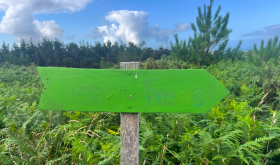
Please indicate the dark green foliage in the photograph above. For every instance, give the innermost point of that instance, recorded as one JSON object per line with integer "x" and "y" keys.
{"x": 181, "y": 51}
{"x": 210, "y": 33}
{"x": 54, "y": 53}
{"x": 270, "y": 52}
{"x": 271, "y": 84}
{"x": 242, "y": 129}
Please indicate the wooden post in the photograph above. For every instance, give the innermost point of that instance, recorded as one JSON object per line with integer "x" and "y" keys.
{"x": 129, "y": 129}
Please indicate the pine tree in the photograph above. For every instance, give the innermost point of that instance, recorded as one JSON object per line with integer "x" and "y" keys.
{"x": 15, "y": 54}
{"x": 74, "y": 54}
{"x": 210, "y": 33}
{"x": 4, "y": 52}
{"x": 180, "y": 50}
{"x": 114, "y": 55}
{"x": 98, "y": 55}
{"x": 24, "y": 56}
{"x": 107, "y": 48}
{"x": 59, "y": 53}
{"x": 45, "y": 52}
{"x": 270, "y": 52}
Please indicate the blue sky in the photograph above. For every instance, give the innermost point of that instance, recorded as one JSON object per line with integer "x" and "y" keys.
{"x": 153, "y": 21}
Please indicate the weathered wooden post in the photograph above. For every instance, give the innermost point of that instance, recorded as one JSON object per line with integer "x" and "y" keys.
{"x": 129, "y": 128}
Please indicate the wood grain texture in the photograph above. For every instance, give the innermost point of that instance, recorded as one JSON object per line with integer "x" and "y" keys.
{"x": 129, "y": 130}
{"x": 129, "y": 138}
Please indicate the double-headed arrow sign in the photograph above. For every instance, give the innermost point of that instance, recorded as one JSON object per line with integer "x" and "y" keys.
{"x": 129, "y": 91}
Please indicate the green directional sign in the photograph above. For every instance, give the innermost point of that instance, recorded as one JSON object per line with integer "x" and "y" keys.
{"x": 130, "y": 91}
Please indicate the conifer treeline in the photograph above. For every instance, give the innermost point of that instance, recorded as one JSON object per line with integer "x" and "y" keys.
{"x": 211, "y": 32}
{"x": 55, "y": 53}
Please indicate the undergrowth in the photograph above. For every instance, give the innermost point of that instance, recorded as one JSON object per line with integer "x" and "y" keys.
{"x": 243, "y": 128}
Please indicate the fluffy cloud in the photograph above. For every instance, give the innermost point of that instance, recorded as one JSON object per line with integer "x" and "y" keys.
{"x": 182, "y": 27}
{"x": 131, "y": 26}
{"x": 19, "y": 20}
{"x": 268, "y": 31}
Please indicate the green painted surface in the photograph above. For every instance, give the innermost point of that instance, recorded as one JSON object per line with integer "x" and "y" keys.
{"x": 151, "y": 91}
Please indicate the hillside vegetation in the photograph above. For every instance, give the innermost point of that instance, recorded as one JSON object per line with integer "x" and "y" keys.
{"x": 243, "y": 128}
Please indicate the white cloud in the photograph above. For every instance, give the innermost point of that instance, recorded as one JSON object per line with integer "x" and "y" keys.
{"x": 182, "y": 27}
{"x": 271, "y": 30}
{"x": 49, "y": 29}
{"x": 132, "y": 27}
{"x": 3, "y": 7}
{"x": 19, "y": 20}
